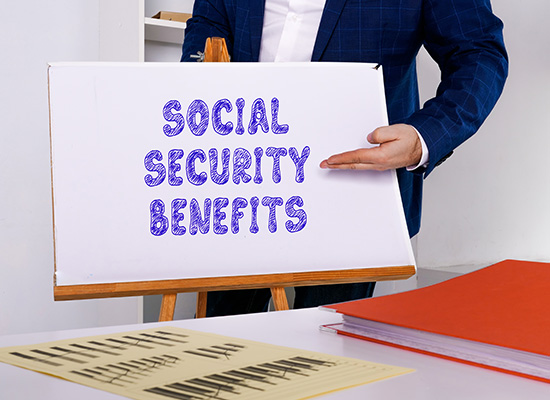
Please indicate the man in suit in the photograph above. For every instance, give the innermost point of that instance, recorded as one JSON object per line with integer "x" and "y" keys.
{"x": 464, "y": 37}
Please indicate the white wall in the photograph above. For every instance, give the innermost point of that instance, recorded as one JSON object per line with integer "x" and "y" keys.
{"x": 154, "y": 6}
{"x": 31, "y": 35}
{"x": 491, "y": 200}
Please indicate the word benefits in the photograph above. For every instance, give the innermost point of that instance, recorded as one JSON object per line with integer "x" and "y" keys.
{"x": 199, "y": 221}
{"x": 184, "y": 169}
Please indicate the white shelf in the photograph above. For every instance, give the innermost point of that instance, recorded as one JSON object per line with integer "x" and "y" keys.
{"x": 160, "y": 30}
{"x": 126, "y": 34}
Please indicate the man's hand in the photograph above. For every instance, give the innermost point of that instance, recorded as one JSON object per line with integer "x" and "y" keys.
{"x": 399, "y": 147}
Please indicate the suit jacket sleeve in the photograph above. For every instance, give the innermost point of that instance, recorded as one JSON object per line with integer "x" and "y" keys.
{"x": 465, "y": 38}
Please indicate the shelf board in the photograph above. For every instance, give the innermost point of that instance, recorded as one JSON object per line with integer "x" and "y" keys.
{"x": 161, "y": 30}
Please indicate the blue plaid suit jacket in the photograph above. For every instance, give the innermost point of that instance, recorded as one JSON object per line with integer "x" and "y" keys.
{"x": 464, "y": 37}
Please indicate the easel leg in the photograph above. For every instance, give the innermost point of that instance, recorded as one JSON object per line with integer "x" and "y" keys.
{"x": 279, "y": 298}
{"x": 201, "y": 305}
{"x": 167, "y": 307}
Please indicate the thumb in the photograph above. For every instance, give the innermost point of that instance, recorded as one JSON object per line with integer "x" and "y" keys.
{"x": 380, "y": 135}
{"x": 370, "y": 138}
{"x": 375, "y": 137}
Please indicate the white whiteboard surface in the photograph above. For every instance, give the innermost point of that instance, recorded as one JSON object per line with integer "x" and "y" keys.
{"x": 107, "y": 131}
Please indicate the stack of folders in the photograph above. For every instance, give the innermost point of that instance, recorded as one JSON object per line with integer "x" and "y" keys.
{"x": 497, "y": 317}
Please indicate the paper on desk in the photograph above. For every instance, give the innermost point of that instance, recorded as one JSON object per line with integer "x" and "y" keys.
{"x": 173, "y": 363}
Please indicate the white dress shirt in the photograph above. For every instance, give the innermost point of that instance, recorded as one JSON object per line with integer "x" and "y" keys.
{"x": 289, "y": 33}
{"x": 290, "y": 29}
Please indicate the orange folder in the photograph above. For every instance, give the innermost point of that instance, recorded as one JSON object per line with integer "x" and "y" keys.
{"x": 504, "y": 307}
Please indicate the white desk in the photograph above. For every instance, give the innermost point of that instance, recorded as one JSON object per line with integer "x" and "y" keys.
{"x": 434, "y": 378}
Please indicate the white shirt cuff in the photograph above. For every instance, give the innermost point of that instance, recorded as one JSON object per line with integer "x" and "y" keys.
{"x": 425, "y": 153}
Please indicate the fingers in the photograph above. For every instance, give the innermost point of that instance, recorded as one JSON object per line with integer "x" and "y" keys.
{"x": 363, "y": 159}
{"x": 350, "y": 157}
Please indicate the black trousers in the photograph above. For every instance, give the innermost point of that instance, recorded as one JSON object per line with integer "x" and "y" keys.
{"x": 247, "y": 301}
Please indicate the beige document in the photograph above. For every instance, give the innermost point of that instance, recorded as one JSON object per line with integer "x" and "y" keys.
{"x": 173, "y": 363}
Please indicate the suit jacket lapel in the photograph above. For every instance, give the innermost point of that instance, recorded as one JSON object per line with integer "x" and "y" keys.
{"x": 331, "y": 14}
{"x": 257, "y": 8}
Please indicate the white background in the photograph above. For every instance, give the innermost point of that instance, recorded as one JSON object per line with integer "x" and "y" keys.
{"x": 488, "y": 202}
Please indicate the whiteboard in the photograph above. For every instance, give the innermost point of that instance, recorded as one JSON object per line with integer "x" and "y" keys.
{"x": 175, "y": 170}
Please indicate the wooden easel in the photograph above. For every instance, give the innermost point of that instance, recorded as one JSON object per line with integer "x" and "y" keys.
{"x": 276, "y": 282}
{"x": 216, "y": 51}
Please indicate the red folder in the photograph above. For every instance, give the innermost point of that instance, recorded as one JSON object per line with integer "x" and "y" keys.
{"x": 505, "y": 306}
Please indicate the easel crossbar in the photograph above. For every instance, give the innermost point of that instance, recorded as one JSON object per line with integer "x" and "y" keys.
{"x": 174, "y": 286}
